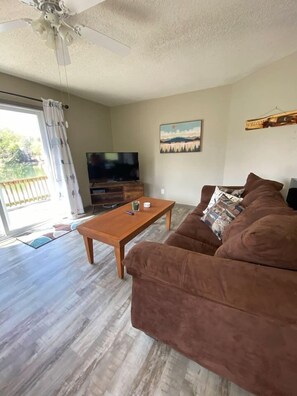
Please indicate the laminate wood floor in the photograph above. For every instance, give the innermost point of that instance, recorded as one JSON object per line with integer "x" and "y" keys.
{"x": 65, "y": 327}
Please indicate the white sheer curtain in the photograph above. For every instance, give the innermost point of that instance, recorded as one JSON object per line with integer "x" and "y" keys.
{"x": 60, "y": 156}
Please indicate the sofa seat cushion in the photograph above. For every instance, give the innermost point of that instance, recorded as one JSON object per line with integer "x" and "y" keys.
{"x": 191, "y": 244}
{"x": 253, "y": 181}
{"x": 271, "y": 240}
{"x": 194, "y": 228}
{"x": 249, "y": 216}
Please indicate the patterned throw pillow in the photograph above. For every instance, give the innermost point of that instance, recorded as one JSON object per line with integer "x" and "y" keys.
{"x": 219, "y": 191}
{"x": 221, "y": 214}
{"x": 237, "y": 192}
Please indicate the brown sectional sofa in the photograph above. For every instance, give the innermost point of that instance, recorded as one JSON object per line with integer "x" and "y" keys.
{"x": 229, "y": 305}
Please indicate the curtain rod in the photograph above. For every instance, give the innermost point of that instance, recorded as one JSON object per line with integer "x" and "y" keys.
{"x": 65, "y": 106}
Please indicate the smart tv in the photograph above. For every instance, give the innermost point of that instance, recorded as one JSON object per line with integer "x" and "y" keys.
{"x": 113, "y": 166}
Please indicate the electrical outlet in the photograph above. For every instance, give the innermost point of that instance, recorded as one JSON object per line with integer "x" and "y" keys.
{"x": 162, "y": 191}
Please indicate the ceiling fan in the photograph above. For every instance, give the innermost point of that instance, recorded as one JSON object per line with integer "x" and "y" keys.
{"x": 58, "y": 34}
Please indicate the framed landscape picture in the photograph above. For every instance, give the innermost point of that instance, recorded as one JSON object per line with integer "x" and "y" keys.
{"x": 181, "y": 137}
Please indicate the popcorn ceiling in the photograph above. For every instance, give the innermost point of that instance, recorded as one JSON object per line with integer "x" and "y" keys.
{"x": 177, "y": 46}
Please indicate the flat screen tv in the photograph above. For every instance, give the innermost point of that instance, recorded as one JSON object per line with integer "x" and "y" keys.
{"x": 104, "y": 167}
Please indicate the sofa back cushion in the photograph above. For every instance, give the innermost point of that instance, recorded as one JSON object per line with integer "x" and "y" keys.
{"x": 264, "y": 195}
{"x": 253, "y": 181}
{"x": 249, "y": 216}
{"x": 271, "y": 240}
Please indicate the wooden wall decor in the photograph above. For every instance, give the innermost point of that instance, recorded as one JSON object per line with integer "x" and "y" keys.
{"x": 280, "y": 119}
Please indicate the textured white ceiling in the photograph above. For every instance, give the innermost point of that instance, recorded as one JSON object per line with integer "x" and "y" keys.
{"x": 177, "y": 46}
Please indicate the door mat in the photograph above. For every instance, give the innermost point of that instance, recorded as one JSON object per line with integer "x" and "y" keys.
{"x": 42, "y": 236}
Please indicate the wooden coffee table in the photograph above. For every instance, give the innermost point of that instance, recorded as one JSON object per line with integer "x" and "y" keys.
{"x": 117, "y": 227}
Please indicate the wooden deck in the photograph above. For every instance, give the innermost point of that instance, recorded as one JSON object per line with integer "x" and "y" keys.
{"x": 65, "y": 327}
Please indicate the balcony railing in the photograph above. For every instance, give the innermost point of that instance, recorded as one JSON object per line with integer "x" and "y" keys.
{"x": 24, "y": 191}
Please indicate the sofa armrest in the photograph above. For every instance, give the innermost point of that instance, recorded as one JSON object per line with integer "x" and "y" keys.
{"x": 206, "y": 193}
{"x": 249, "y": 287}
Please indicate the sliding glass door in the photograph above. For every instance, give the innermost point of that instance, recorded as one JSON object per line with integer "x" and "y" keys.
{"x": 26, "y": 185}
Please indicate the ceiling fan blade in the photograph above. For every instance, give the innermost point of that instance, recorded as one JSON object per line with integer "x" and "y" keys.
{"x": 77, "y": 6}
{"x": 62, "y": 53}
{"x": 101, "y": 40}
{"x": 16, "y": 24}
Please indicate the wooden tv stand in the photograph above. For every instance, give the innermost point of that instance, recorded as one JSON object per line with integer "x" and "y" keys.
{"x": 112, "y": 193}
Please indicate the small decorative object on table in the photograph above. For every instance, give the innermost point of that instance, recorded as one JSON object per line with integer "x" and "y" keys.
{"x": 135, "y": 206}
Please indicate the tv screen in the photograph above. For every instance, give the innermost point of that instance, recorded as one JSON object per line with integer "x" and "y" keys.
{"x": 112, "y": 167}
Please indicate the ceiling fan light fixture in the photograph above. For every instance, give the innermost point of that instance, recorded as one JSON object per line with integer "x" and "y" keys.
{"x": 66, "y": 34}
{"x": 57, "y": 33}
{"x": 40, "y": 27}
{"x": 51, "y": 39}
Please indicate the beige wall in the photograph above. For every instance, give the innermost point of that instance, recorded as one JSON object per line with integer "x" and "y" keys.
{"x": 89, "y": 123}
{"x": 228, "y": 153}
{"x": 272, "y": 152}
{"x": 135, "y": 127}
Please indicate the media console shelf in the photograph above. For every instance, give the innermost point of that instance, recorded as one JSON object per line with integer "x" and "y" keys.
{"x": 111, "y": 193}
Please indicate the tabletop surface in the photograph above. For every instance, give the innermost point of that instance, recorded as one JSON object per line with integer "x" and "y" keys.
{"x": 118, "y": 224}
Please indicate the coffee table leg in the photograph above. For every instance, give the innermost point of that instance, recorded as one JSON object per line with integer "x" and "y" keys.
{"x": 120, "y": 253}
{"x": 89, "y": 248}
{"x": 168, "y": 219}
